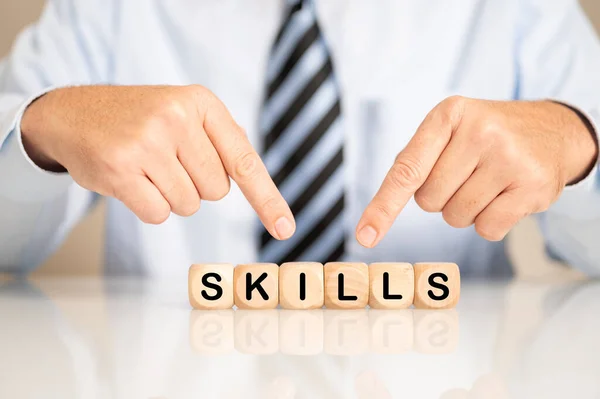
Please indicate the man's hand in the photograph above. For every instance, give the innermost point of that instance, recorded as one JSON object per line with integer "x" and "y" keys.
{"x": 485, "y": 163}
{"x": 157, "y": 149}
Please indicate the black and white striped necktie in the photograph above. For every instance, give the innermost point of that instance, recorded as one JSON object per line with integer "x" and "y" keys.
{"x": 302, "y": 129}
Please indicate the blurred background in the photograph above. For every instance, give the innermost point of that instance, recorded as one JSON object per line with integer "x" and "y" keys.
{"x": 82, "y": 252}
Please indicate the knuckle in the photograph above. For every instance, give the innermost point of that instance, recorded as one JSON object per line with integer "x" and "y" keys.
{"x": 451, "y": 108}
{"x": 486, "y": 133}
{"x": 456, "y": 219}
{"x": 218, "y": 191}
{"x": 538, "y": 176}
{"x": 169, "y": 117}
{"x": 171, "y": 189}
{"x": 154, "y": 217}
{"x": 202, "y": 97}
{"x": 189, "y": 207}
{"x": 384, "y": 211}
{"x": 488, "y": 232}
{"x": 184, "y": 201}
{"x": 240, "y": 130}
{"x": 406, "y": 174}
{"x": 505, "y": 147}
{"x": 198, "y": 91}
{"x": 453, "y": 103}
{"x": 427, "y": 203}
{"x": 153, "y": 213}
{"x": 247, "y": 166}
{"x": 152, "y": 139}
{"x": 269, "y": 204}
{"x": 173, "y": 111}
{"x": 538, "y": 205}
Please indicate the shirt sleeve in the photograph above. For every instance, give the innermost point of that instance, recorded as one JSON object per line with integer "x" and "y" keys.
{"x": 559, "y": 59}
{"x": 21, "y": 180}
{"x": 69, "y": 45}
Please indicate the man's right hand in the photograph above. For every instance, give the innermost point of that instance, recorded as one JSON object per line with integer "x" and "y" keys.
{"x": 156, "y": 149}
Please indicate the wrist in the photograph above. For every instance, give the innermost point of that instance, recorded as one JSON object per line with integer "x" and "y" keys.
{"x": 35, "y": 132}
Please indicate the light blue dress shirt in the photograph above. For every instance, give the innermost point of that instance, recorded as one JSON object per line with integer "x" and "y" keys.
{"x": 394, "y": 61}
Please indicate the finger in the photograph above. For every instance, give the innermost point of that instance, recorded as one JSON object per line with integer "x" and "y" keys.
{"x": 246, "y": 168}
{"x": 454, "y": 167}
{"x": 409, "y": 172}
{"x": 474, "y": 196}
{"x": 202, "y": 163}
{"x": 172, "y": 180}
{"x": 499, "y": 217}
{"x": 142, "y": 197}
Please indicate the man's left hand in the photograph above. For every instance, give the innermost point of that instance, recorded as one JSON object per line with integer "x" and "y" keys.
{"x": 487, "y": 163}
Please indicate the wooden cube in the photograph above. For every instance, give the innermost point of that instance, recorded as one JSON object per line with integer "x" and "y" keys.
{"x": 210, "y": 286}
{"x": 301, "y": 285}
{"x": 256, "y": 286}
{"x": 346, "y": 285}
{"x": 301, "y": 332}
{"x": 392, "y": 285}
{"x": 256, "y": 332}
{"x": 211, "y": 332}
{"x": 392, "y": 331}
{"x": 436, "y": 331}
{"x": 437, "y": 285}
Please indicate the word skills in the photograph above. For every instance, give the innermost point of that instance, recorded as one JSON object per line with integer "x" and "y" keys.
{"x": 336, "y": 285}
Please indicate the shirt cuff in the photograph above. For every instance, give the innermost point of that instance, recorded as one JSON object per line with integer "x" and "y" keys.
{"x": 21, "y": 180}
{"x": 590, "y": 182}
{"x": 580, "y": 200}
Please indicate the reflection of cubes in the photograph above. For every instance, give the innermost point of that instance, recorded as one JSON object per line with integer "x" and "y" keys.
{"x": 436, "y": 331}
{"x": 346, "y": 285}
{"x": 392, "y": 285}
{"x": 301, "y": 332}
{"x": 437, "y": 285}
{"x": 391, "y": 330}
{"x": 256, "y": 286}
{"x": 211, "y": 332}
{"x": 210, "y": 286}
{"x": 257, "y": 331}
{"x": 301, "y": 285}
{"x": 346, "y": 332}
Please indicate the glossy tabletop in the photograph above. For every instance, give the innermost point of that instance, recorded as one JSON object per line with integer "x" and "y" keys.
{"x": 127, "y": 338}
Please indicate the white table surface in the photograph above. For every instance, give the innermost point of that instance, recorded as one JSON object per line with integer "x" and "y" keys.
{"x": 125, "y": 338}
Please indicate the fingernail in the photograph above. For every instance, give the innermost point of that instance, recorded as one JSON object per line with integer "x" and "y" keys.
{"x": 284, "y": 228}
{"x": 367, "y": 236}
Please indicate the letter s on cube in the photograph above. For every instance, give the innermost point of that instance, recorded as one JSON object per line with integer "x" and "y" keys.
{"x": 437, "y": 285}
{"x": 210, "y": 286}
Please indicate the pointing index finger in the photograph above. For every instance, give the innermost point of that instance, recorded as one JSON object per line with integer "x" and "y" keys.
{"x": 409, "y": 172}
{"x": 246, "y": 168}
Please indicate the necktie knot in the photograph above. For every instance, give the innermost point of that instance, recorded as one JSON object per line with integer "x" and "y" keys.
{"x": 297, "y": 5}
